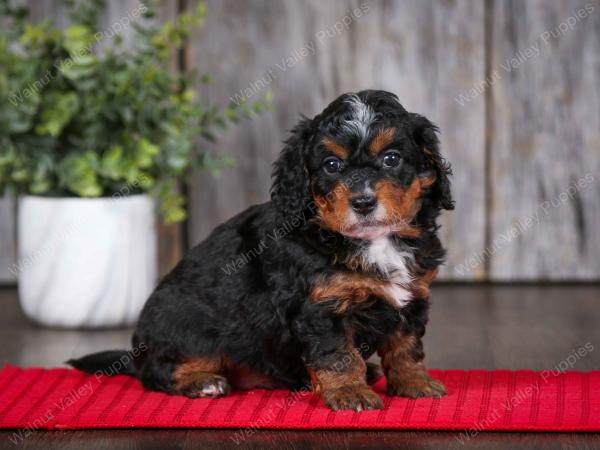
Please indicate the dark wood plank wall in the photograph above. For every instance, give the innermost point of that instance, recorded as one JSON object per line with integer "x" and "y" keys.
{"x": 517, "y": 138}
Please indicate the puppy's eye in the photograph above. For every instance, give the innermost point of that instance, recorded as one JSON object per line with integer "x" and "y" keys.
{"x": 391, "y": 158}
{"x": 332, "y": 164}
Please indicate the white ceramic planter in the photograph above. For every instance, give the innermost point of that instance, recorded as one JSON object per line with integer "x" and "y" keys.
{"x": 86, "y": 262}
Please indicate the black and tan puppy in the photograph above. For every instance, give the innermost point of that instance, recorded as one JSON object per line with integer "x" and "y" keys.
{"x": 301, "y": 290}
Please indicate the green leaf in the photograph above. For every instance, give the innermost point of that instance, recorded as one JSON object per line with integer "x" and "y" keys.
{"x": 16, "y": 119}
{"x": 175, "y": 214}
{"x": 57, "y": 113}
{"x": 146, "y": 181}
{"x": 78, "y": 40}
{"x": 7, "y": 155}
{"x": 20, "y": 175}
{"x": 171, "y": 202}
{"x": 113, "y": 164}
{"x": 41, "y": 181}
{"x": 133, "y": 175}
{"x": 21, "y": 171}
{"x": 77, "y": 68}
{"x": 78, "y": 174}
{"x": 145, "y": 152}
{"x": 40, "y": 36}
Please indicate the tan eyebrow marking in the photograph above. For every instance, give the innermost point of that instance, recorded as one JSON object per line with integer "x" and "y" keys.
{"x": 335, "y": 148}
{"x": 384, "y": 137}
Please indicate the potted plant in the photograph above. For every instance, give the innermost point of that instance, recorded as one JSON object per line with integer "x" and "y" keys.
{"x": 91, "y": 131}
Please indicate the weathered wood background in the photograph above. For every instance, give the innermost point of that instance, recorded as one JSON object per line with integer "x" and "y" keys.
{"x": 545, "y": 139}
{"x": 513, "y": 85}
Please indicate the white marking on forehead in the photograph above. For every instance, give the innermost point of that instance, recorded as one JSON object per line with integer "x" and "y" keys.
{"x": 362, "y": 117}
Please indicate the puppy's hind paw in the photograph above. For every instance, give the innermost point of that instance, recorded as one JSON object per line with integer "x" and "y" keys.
{"x": 207, "y": 385}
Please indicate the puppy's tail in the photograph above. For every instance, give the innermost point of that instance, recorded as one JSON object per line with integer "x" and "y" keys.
{"x": 110, "y": 362}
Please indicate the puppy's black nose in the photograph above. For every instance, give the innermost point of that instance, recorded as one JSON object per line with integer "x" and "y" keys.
{"x": 364, "y": 204}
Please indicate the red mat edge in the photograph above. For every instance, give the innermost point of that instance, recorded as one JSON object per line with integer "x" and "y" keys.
{"x": 469, "y": 432}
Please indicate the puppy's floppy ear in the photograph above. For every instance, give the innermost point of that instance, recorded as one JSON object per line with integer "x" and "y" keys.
{"x": 290, "y": 190}
{"x": 425, "y": 135}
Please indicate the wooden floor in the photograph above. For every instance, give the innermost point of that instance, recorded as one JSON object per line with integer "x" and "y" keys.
{"x": 511, "y": 327}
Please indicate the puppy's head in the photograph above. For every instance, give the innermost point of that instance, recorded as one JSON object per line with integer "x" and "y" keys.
{"x": 364, "y": 168}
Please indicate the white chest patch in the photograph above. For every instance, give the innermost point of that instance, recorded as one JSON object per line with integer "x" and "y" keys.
{"x": 395, "y": 265}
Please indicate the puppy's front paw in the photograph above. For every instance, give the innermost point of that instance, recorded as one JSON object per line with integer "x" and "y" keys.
{"x": 357, "y": 398}
{"x": 416, "y": 386}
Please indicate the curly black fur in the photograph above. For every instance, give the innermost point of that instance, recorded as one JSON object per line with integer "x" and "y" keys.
{"x": 244, "y": 291}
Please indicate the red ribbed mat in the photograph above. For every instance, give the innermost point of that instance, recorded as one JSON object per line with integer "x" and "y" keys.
{"x": 478, "y": 401}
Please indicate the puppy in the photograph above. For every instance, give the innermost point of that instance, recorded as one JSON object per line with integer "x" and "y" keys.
{"x": 299, "y": 291}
